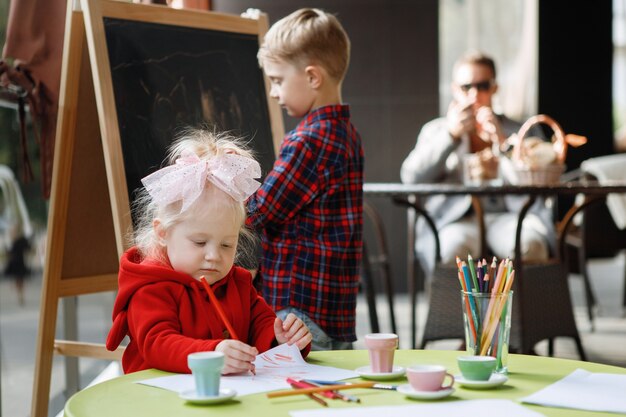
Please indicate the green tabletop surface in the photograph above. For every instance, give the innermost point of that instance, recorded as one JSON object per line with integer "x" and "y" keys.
{"x": 527, "y": 374}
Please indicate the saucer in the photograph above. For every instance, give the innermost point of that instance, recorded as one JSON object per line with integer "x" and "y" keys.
{"x": 191, "y": 396}
{"x": 494, "y": 381}
{"x": 407, "y": 390}
{"x": 366, "y": 372}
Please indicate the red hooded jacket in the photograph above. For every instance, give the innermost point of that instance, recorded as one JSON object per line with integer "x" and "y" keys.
{"x": 168, "y": 315}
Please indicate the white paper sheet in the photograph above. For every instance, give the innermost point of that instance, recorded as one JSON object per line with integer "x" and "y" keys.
{"x": 482, "y": 408}
{"x": 272, "y": 369}
{"x": 584, "y": 390}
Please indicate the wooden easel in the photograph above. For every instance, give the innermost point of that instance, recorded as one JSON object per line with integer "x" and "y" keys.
{"x": 89, "y": 207}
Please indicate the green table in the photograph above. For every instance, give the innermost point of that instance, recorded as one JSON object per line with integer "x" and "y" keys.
{"x": 121, "y": 397}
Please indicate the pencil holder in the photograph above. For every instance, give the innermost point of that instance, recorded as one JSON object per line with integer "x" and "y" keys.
{"x": 487, "y": 324}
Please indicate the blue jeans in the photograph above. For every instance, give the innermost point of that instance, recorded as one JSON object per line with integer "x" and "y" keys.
{"x": 321, "y": 341}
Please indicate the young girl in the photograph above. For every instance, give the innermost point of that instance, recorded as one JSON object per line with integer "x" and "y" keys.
{"x": 192, "y": 216}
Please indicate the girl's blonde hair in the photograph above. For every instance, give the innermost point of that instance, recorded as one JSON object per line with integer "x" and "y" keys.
{"x": 305, "y": 37}
{"x": 205, "y": 145}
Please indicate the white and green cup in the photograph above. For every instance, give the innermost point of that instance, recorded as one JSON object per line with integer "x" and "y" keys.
{"x": 476, "y": 368}
{"x": 206, "y": 368}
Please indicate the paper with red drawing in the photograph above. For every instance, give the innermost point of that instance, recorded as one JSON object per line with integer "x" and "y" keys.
{"x": 273, "y": 367}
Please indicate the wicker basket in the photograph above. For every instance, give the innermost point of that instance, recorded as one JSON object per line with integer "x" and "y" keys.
{"x": 540, "y": 176}
{"x": 550, "y": 174}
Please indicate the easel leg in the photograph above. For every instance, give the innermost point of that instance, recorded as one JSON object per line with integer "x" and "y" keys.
{"x": 70, "y": 325}
{"x": 45, "y": 340}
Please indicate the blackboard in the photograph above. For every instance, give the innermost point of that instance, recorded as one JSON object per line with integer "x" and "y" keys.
{"x": 166, "y": 77}
{"x": 157, "y": 70}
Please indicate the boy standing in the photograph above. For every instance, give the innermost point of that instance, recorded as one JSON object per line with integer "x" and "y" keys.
{"x": 310, "y": 206}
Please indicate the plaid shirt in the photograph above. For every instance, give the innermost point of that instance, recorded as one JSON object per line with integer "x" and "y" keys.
{"x": 310, "y": 208}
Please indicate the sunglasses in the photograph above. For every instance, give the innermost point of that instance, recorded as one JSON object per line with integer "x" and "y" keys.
{"x": 479, "y": 86}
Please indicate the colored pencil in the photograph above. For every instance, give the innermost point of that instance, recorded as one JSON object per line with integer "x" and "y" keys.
{"x": 332, "y": 394}
{"x": 303, "y": 384}
{"x": 320, "y": 382}
{"x": 458, "y": 262}
{"x": 493, "y": 324}
{"x": 492, "y": 302}
{"x": 470, "y": 262}
{"x": 486, "y": 283}
{"x": 469, "y": 313}
{"x": 468, "y": 286}
{"x": 464, "y": 270}
{"x": 299, "y": 384}
{"x": 485, "y": 268}
{"x": 277, "y": 394}
{"x": 219, "y": 309}
{"x": 479, "y": 275}
{"x": 492, "y": 272}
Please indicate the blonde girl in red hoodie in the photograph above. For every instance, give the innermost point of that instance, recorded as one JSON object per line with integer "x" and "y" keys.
{"x": 190, "y": 218}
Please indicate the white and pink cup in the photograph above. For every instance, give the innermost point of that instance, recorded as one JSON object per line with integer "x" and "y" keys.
{"x": 381, "y": 348}
{"x": 428, "y": 377}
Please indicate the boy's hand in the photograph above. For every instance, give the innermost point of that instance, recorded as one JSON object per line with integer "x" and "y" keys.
{"x": 291, "y": 331}
{"x": 238, "y": 356}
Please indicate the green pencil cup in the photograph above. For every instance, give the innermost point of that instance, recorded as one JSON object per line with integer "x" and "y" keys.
{"x": 487, "y": 324}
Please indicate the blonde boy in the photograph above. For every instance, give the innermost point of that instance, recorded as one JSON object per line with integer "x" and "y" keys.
{"x": 310, "y": 206}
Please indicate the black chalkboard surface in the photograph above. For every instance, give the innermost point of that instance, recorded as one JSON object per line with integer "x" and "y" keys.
{"x": 169, "y": 77}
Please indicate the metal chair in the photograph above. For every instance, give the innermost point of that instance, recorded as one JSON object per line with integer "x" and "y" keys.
{"x": 596, "y": 236}
{"x": 379, "y": 262}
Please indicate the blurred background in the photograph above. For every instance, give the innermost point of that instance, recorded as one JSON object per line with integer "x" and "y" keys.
{"x": 560, "y": 58}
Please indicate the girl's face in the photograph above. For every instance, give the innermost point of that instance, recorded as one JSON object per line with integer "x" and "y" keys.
{"x": 204, "y": 243}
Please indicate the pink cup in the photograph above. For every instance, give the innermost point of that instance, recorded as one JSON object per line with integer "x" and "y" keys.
{"x": 428, "y": 377}
{"x": 381, "y": 348}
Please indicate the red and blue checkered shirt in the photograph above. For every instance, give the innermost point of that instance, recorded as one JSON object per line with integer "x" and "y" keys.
{"x": 310, "y": 211}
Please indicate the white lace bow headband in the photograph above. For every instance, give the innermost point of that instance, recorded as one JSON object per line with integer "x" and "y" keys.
{"x": 185, "y": 180}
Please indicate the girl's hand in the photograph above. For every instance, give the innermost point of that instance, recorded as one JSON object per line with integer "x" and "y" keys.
{"x": 238, "y": 356}
{"x": 291, "y": 331}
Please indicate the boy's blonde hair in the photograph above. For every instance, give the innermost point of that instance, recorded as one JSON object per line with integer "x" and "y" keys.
{"x": 205, "y": 145}
{"x": 305, "y": 37}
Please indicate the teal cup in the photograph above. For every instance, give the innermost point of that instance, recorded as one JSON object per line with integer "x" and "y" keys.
{"x": 476, "y": 368}
{"x": 206, "y": 368}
